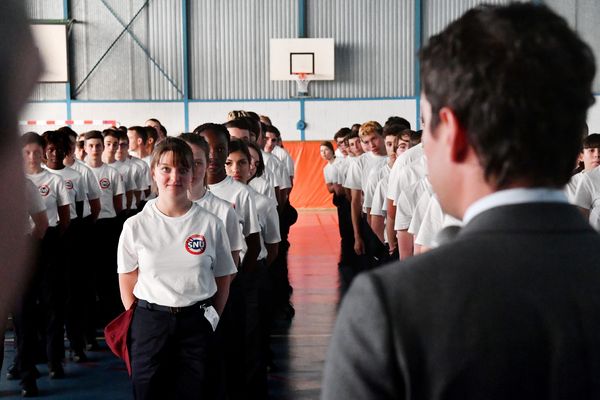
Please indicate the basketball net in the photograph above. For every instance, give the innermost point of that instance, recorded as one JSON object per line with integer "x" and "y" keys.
{"x": 302, "y": 81}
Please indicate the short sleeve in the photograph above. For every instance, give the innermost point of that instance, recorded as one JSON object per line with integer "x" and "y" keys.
{"x": 223, "y": 264}
{"x": 354, "y": 177}
{"x": 62, "y": 193}
{"x": 127, "y": 258}
{"x": 234, "y": 231}
{"x": 271, "y": 229}
{"x": 583, "y": 194}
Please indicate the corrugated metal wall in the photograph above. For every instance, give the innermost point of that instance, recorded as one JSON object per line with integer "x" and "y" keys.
{"x": 583, "y": 15}
{"x": 439, "y": 13}
{"x": 127, "y": 72}
{"x": 48, "y": 9}
{"x": 374, "y": 46}
{"x": 229, "y": 47}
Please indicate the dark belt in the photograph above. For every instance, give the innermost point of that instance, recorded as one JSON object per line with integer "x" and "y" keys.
{"x": 173, "y": 310}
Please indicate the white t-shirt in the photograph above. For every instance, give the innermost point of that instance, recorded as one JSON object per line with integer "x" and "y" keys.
{"x": 571, "y": 186}
{"x": 225, "y": 212}
{"x": 359, "y": 170}
{"x": 375, "y": 176}
{"x": 238, "y": 195}
{"x": 330, "y": 173}
{"x": 91, "y": 187}
{"x": 129, "y": 184}
{"x": 53, "y": 192}
{"x": 271, "y": 173}
{"x": 263, "y": 187}
{"x": 285, "y": 158}
{"x": 144, "y": 179}
{"x": 342, "y": 165}
{"x": 407, "y": 158}
{"x": 434, "y": 221}
{"x": 419, "y": 213}
{"x": 177, "y": 258}
{"x": 587, "y": 195}
{"x": 379, "y": 203}
{"x": 111, "y": 184}
{"x": 74, "y": 184}
{"x": 407, "y": 202}
{"x": 35, "y": 203}
{"x": 269, "y": 223}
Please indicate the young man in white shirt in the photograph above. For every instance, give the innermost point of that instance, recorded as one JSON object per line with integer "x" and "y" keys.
{"x": 107, "y": 227}
{"x": 111, "y": 146}
{"x": 138, "y": 143}
{"x": 371, "y": 134}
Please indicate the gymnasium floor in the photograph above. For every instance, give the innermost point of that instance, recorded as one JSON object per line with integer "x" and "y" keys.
{"x": 299, "y": 347}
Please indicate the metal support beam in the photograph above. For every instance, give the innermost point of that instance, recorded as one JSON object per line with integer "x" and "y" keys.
{"x": 418, "y": 37}
{"x": 301, "y": 18}
{"x": 186, "y": 62}
{"x": 110, "y": 47}
{"x": 68, "y": 83}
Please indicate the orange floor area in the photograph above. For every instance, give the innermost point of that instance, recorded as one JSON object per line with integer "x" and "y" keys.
{"x": 300, "y": 350}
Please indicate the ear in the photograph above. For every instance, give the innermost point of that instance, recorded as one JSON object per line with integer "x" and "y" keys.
{"x": 455, "y": 135}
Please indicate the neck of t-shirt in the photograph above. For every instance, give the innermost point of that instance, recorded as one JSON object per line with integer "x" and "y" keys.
{"x": 94, "y": 164}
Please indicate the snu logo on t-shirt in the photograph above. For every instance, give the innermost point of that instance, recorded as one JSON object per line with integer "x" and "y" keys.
{"x": 69, "y": 184}
{"x": 44, "y": 190}
{"x": 195, "y": 244}
{"x": 104, "y": 183}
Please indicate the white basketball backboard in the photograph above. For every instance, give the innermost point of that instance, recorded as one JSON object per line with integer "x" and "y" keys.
{"x": 314, "y": 57}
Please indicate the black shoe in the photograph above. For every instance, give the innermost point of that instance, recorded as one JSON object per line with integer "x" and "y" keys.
{"x": 56, "y": 372}
{"x": 29, "y": 389}
{"x": 12, "y": 373}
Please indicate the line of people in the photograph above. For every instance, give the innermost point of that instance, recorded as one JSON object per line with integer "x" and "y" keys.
{"x": 120, "y": 200}
{"x": 387, "y": 209}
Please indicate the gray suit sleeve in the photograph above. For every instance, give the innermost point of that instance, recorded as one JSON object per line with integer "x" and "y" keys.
{"x": 360, "y": 361}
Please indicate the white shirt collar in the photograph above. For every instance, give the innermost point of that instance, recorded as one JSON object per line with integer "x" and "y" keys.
{"x": 514, "y": 196}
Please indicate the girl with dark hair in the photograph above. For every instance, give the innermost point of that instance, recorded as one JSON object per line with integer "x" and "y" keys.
{"x": 173, "y": 260}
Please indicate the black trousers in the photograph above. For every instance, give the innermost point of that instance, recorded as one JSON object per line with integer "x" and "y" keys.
{"x": 76, "y": 283}
{"x": 169, "y": 354}
{"x": 45, "y": 291}
{"x": 104, "y": 264}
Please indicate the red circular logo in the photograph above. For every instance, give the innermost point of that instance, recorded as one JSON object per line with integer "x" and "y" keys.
{"x": 44, "y": 190}
{"x": 69, "y": 184}
{"x": 104, "y": 183}
{"x": 195, "y": 244}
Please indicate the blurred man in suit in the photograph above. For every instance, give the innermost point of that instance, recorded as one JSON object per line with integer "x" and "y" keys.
{"x": 510, "y": 308}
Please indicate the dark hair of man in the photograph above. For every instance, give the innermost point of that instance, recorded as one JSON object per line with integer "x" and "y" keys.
{"x": 415, "y": 137}
{"x": 32, "y": 138}
{"x": 328, "y": 144}
{"x": 239, "y": 145}
{"x": 519, "y": 81}
{"x": 111, "y": 133}
{"x": 67, "y": 130}
{"x": 163, "y": 130}
{"x": 260, "y": 167}
{"x": 218, "y": 129}
{"x": 592, "y": 141}
{"x": 151, "y": 132}
{"x": 394, "y": 130}
{"x": 397, "y": 121}
{"x": 352, "y": 135}
{"x": 154, "y": 120}
{"x": 253, "y": 115}
{"x": 240, "y": 123}
{"x": 342, "y": 133}
{"x": 254, "y": 125}
{"x": 58, "y": 139}
{"x": 355, "y": 127}
{"x": 123, "y": 129}
{"x": 263, "y": 128}
{"x": 140, "y": 132}
{"x": 94, "y": 135}
{"x": 197, "y": 140}
{"x": 182, "y": 153}
{"x": 273, "y": 129}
